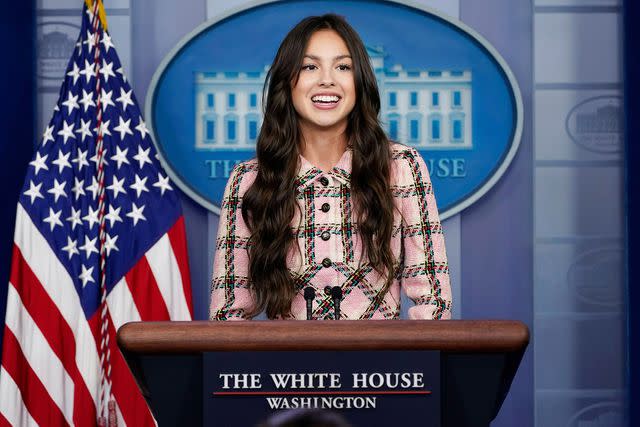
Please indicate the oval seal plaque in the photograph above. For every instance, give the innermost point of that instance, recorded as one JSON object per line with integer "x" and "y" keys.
{"x": 56, "y": 41}
{"x": 598, "y": 414}
{"x": 596, "y": 125}
{"x": 594, "y": 277}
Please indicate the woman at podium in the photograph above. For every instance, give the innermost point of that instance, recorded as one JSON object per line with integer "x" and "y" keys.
{"x": 331, "y": 220}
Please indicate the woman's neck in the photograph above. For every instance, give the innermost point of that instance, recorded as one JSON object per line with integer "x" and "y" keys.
{"x": 323, "y": 149}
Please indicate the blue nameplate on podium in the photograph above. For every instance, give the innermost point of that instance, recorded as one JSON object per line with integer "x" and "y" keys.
{"x": 363, "y": 387}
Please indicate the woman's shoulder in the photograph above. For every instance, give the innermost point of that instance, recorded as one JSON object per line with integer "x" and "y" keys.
{"x": 247, "y": 167}
{"x": 405, "y": 160}
{"x": 242, "y": 176}
{"x": 400, "y": 151}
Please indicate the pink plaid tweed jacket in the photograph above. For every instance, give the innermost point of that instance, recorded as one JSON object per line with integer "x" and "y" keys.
{"x": 330, "y": 247}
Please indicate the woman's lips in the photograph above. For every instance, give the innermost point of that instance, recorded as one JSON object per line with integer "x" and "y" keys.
{"x": 325, "y": 102}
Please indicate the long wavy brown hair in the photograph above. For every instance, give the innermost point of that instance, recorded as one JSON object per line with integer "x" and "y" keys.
{"x": 269, "y": 204}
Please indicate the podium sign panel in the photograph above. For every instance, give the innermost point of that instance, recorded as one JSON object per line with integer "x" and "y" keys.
{"x": 364, "y": 387}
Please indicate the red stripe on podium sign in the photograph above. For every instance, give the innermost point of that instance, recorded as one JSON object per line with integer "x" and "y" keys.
{"x": 321, "y": 393}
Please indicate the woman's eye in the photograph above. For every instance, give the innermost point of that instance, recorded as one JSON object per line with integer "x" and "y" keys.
{"x": 309, "y": 67}
{"x": 344, "y": 67}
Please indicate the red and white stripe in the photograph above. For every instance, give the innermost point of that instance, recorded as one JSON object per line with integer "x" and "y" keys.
{"x": 50, "y": 372}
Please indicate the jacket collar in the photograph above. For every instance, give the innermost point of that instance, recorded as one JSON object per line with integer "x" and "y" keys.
{"x": 308, "y": 173}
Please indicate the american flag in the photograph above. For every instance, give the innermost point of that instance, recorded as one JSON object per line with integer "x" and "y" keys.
{"x": 99, "y": 241}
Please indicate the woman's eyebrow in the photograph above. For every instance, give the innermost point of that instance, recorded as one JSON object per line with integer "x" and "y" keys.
{"x": 335, "y": 58}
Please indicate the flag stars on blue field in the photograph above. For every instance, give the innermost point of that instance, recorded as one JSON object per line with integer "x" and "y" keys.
{"x": 110, "y": 244}
{"x": 62, "y": 161}
{"x": 107, "y": 70}
{"x": 47, "y": 135}
{"x": 95, "y": 160}
{"x": 120, "y": 157}
{"x": 121, "y": 72}
{"x": 136, "y": 214}
{"x": 89, "y": 246}
{"x": 125, "y": 99}
{"x": 117, "y": 186}
{"x": 34, "y": 191}
{"x": 67, "y": 131}
{"x": 143, "y": 156}
{"x": 71, "y": 103}
{"x": 113, "y": 216}
{"x": 106, "y": 42}
{"x": 84, "y": 130}
{"x": 57, "y": 189}
{"x": 105, "y": 100}
{"x": 123, "y": 127}
{"x": 74, "y": 218}
{"x": 87, "y": 100}
{"x": 92, "y": 217}
{"x": 81, "y": 159}
{"x": 142, "y": 128}
{"x": 88, "y": 71}
{"x": 53, "y": 219}
{"x": 94, "y": 187}
{"x": 39, "y": 163}
{"x": 162, "y": 184}
{"x": 86, "y": 276}
{"x": 90, "y": 41}
{"x": 139, "y": 185}
{"x": 72, "y": 247}
{"x": 104, "y": 126}
{"x": 75, "y": 73}
{"x": 62, "y": 189}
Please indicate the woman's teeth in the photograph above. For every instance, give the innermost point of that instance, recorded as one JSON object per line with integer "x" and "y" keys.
{"x": 324, "y": 98}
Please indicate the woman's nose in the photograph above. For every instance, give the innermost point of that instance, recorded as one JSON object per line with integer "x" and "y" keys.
{"x": 326, "y": 78}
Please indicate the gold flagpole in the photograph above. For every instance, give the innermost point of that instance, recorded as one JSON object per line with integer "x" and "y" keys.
{"x": 101, "y": 13}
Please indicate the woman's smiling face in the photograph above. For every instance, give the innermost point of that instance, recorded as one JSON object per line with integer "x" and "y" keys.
{"x": 324, "y": 94}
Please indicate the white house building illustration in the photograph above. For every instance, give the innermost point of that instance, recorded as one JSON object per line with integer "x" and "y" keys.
{"x": 427, "y": 109}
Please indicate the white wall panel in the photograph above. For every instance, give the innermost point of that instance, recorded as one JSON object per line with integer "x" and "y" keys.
{"x": 571, "y": 348}
{"x": 578, "y": 213}
{"x": 583, "y": 276}
{"x": 580, "y": 408}
{"x": 584, "y": 201}
{"x": 577, "y": 48}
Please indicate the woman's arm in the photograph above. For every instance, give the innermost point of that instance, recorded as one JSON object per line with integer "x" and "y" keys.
{"x": 231, "y": 297}
{"x": 425, "y": 276}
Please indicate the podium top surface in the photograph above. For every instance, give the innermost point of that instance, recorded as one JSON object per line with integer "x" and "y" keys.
{"x": 464, "y": 336}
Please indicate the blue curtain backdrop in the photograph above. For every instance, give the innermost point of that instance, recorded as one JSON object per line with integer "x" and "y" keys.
{"x": 632, "y": 177}
{"x": 17, "y": 113}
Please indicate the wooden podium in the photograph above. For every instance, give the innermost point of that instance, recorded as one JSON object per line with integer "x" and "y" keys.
{"x": 478, "y": 358}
